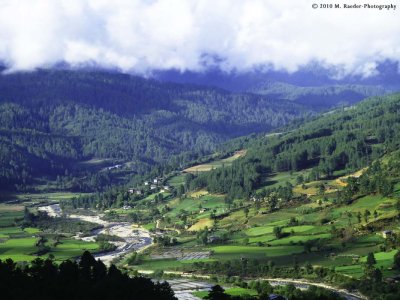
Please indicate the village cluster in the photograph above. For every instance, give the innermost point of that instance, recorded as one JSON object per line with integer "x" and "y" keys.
{"x": 153, "y": 185}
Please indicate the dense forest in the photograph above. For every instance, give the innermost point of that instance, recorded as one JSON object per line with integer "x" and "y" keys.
{"x": 52, "y": 120}
{"x": 335, "y": 143}
{"x": 88, "y": 279}
{"x": 345, "y": 140}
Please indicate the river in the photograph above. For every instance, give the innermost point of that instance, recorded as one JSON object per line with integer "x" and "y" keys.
{"x": 132, "y": 238}
{"x": 137, "y": 239}
{"x": 193, "y": 284}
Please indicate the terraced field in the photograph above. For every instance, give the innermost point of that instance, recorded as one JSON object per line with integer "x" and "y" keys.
{"x": 250, "y": 234}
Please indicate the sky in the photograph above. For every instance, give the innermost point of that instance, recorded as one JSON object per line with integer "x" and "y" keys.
{"x": 187, "y": 35}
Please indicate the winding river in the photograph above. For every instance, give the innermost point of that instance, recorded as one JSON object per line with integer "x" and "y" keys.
{"x": 137, "y": 239}
{"x": 132, "y": 239}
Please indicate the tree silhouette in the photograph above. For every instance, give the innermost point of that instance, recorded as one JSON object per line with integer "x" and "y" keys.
{"x": 88, "y": 279}
{"x": 217, "y": 293}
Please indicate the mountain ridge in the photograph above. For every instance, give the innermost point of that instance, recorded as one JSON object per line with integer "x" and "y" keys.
{"x": 63, "y": 117}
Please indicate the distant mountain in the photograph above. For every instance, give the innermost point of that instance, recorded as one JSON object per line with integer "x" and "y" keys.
{"x": 312, "y": 85}
{"x": 50, "y": 121}
{"x": 319, "y": 97}
{"x": 312, "y": 75}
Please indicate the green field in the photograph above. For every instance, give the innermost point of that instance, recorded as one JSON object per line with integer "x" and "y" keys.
{"x": 9, "y": 218}
{"x": 215, "y": 164}
{"x": 257, "y": 231}
{"x": 384, "y": 262}
{"x": 207, "y": 202}
{"x": 19, "y": 243}
{"x": 177, "y": 180}
{"x": 20, "y": 249}
{"x": 167, "y": 264}
{"x": 248, "y": 234}
{"x": 70, "y": 248}
{"x": 252, "y": 236}
{"x": 231, "y": 252}
{"x": 48, "y": 197}
{"x": 234, "y": 291}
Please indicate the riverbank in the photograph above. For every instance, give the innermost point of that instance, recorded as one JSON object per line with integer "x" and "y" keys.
{"x": 133, "y": 238}
{"x": 298, "y": 283}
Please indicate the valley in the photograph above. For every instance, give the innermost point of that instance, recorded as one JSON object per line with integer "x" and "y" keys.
{"x": 307, "y": 234}
{"x": 315, "y": 206}
{"x": 199, "y": 150}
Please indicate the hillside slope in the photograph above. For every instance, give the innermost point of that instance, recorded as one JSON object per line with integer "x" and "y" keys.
{"x": 340, "y": 141}
{"x": 319, "y": 202}
{"x": 51, "y": 120}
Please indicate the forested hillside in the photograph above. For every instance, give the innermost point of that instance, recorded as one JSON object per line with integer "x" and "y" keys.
{"x": 52, "y": 120}
{"x": 317, "y": 201}
{"x": 345, "y": 140}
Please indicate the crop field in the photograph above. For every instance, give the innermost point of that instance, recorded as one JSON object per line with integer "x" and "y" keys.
{"x": 247, "y": 231}
{"x": 20, "y": 244}
{"x": 202, "y": 224}
{"x": 69, "y": 248}
{"x": 234, "y": 291}
{"x": 371, "y": 202}
{"x": 48, "y": 197}
{"x": 198, "y": 194}
{"x": 152, "y": 196}
{"x": 10, "y": 208}
{"x": 279, "y": 218}
{"x": 252, "y": 233}
{"x": 177, "y": 180}
{"x": 206, "y": 202}
{"x": 309, "y": 229}
{"x": 31, "y": 230}
{"x": 342, "y": 181}
{"x": 20, "y": 249}
{"x": 167, "y": 264}
{"x": 215, "y": 164}
{"x": 299, "y": 238}
{"x": 223, "y": 253}
{"x": 229, "y": 252}
{"x": 281, "y": 178}
{"x": 384, "y": 261}
{"x": 7, "y": 231}
{"x": 257, "y": 231}
{"x": 7, "y": 218}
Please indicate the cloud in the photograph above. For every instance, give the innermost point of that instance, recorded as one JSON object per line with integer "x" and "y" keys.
{"x": 141, "y": 36}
